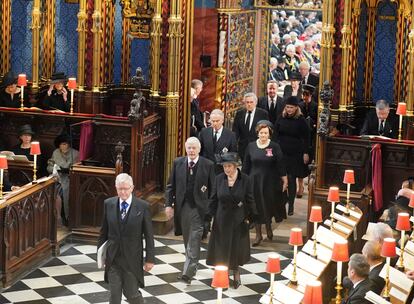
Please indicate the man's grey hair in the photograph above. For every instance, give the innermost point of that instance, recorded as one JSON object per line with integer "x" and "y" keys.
{"x": 196, "y": 83}
{"x": 251, "y": 94}
{"x": 372, "y": 251}
{"x": 304, "y": 64}
{"x": 123, "y": 178}
{"x": 193, "y": 140}
{"x": 381, "y": 231}
{"x": 358, "y": 262}
{"x": 382, "y": 104}
{"x": 273, "y": 61}
{"x": 217, "y": 112}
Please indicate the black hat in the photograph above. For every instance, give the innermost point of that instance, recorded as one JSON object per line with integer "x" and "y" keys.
{"x": 265, "y": 122}
{"x": 62, "y": 138}
{"x": 295, "y": 76}
{"x": 281, "y": 59}
{"x": 309, "y": 88}
{"x": 26, "y": 129}
{"x": 228, "y": 157}
{"x": 8, "y": 79}
{"x": 293, "y": 101}
{"x": 58, "y": 77}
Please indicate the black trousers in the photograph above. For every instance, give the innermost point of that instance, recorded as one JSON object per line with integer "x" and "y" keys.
{"x": 123, "y": 281}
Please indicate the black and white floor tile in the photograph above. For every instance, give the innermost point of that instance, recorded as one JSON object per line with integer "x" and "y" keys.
{"x": 73, "y": 278}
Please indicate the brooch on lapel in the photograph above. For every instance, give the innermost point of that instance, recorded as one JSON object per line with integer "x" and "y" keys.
{"x": 203, "y": 189}
{"x": 225, "y": 150}
{"x": 240, "y": 204}
{"x": 269, "y": 152}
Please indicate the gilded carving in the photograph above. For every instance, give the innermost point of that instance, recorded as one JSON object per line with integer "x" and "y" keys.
{"x": 140, "y": 13}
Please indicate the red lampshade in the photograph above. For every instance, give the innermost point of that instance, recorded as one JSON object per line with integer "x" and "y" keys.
{"x": 35, "y": 148}
{"x": 402, "y": 108}
{"x": 72, "y": 83}
{"x": 349, "y": 177}
{"x": 3, "y": 162}
{"x": 313, "y": 293}
{"x": 403, "y": 222}
{"x": 333, "y": 195}
{"x": 295, "y": 237}
{"x": 411, "y": 203}
{"x": 273, "y": 263}
{"x": 22, "y": 80}
{"x": 388, "y": 248}
{"x": 340, "y": 251}
{"x": 316, "y": 214}
{"x": 221, "y": 277}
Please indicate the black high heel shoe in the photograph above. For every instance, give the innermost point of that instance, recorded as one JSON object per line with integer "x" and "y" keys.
{"x": 237, "y": 280}
{"x": 269, "y": 232}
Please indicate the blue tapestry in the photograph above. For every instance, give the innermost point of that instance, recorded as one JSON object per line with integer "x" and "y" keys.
{"x": 21, "y": 38}
{"x": 66, "y": 46}
{"x": 117, "y": 43}
{"x": 140, "y": 53}
{"x": 360, "y": 72}
{"x": 385, "y": 51}
{"x": 205, "y": 4}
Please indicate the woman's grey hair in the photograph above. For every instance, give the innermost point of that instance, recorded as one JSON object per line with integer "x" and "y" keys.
{"x": 123, "y": 178}
{"x": 193, "y": 140}
{"x": 358, "y": 262}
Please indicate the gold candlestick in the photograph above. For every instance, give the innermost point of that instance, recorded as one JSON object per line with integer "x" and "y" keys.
{"x": 34, "y": 167}
{"x": 386, "y": 294}
{"x": 71, "y": 101}
{"x": 1, "y": 183}
{"x": 294, "y": 279}
{"x": 400, "y": 128}
{"x": 22, "y": 99}
{"x": 315, "y": 228}
{"x": 338, "y": 287}
{"x": 401, "y": 264}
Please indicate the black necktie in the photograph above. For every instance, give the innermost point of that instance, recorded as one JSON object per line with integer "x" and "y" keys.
{"x": 215, "y": 137}
{"x": 124, "y": 207}
{"x": 191, "y": 166}
{"x": 272, "y": 105}
{"x": 249, "y": 114}
{"x": 381, "y": 128}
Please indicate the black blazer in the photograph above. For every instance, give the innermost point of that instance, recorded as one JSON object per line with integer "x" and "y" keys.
{"x": 377, "y": 282}
{"x": 243, "y": 135}
{"x": 357, "y": 295}
{"x": 177, "y": 185}
{"x": 226, "y": 143}
{"x": 313, "y": 79}
{"x": 371, "y": 123}
{"x": 197, "y": 119}
{"x": 127, "y": 238}
{"x": 277, "y": 112}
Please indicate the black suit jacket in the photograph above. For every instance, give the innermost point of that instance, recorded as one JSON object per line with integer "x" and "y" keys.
{"x": 197, "y": 119}
{"x": 226, "y": 143}
{"x": 277, "y": 112}
{"x": 177, "y": 185}
{"x": 357, "y": 295}
{"x": 126, "y": 239}
{"x": 243, "y": 135}
{"x": 377, "y": 282}
{"x": 313, "y": 79}
{"x": 371, "y": 125}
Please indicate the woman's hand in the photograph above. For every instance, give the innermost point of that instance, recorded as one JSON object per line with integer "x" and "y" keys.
{"x": 285, "y": 183}
{"x": 305, "y": 158}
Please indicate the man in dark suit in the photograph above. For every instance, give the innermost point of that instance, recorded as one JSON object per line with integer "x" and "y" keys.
{"x": 381, "y": 121}
{"x": 197, "y": 118}
{"x": 358, "y": 270}
{"x": 189, "y": 191}
{"x": 245, "y": 122}
{"x": 126, "y": 221}
{"x": 272, "y": 103}
{"x": 217, "y": 139}
{"x": 372, "y": 251}
{"x": 309, "y": 78}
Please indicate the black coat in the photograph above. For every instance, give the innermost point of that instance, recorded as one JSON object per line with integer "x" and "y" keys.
{"x": 7, "y": 101}
{"x": 313, "y": 79}
{"x": 371, "y": 125}
{"x": 243, "y": 135}
{"x": 357, "y": 295}
{"x": 226, "y": 143}
{"x": 177, "y": 185}
{"x": 56, "y": 101}
{"x": 197, "y": 118}
{"x": 287, "y": 92}
{"x": 277, "y": 112}
{"x": 125, "y": 240}
{"x": 229, "y": 242}
{"x": 377, "y": 282}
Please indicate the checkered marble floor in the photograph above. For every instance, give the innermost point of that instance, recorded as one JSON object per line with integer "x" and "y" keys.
{"x": 73, "y": 278}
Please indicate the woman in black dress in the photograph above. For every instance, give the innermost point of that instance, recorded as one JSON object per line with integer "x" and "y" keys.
{"x": 292, "y": 134}
{"x": 264, "y": 164}
{"x": 10, "y": 93}
{"x": 294, "y": 88}
{"x": 57, "y": 95}
{"x": 232, "y": 207}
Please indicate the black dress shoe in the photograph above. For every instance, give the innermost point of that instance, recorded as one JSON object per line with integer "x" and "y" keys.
{"x": 185, "y": 279}
{"x": 290, "y": 210}
{"x": 257, "y": 242}
{"x": 236, "y": 283}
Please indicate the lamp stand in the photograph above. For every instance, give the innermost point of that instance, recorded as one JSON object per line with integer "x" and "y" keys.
{"x": 219, "y": 295}
{"x": 338, "y": 287}
{"x": 1, "y": 183}
{"x": 412, "y": 235}
{"x": 22, "y": 99}
{"x": 348, "y": 192}
{"x": 401, "y": 264}
{"x": 294, "y": 279}
{"x": 332, "y": 214}
{"x": 315, "y": 228}
{"x": 386, "y": 294}
{"x": 71, "y": 101}
{"x": 272, "y": 279}
{"x": 400, "y": 128}
{"x": 34, "y": 168}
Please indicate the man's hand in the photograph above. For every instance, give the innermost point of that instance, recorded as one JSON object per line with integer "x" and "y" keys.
{"x": 148, "y": 266}
{"x": 169, "y": 211}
